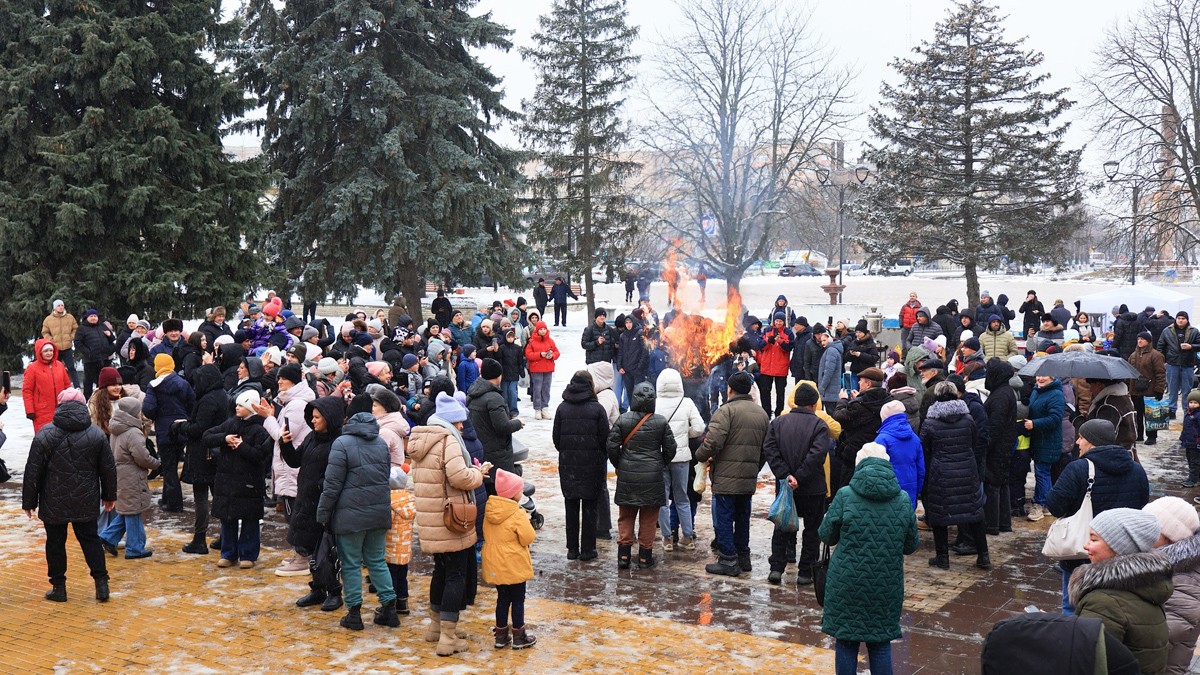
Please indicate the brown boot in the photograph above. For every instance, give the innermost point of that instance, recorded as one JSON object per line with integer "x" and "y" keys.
{"x": 503, "y": 638}
{"x": 433, "y": 632}
{"x": 447, "y": 643}
{"x": 521, "y": 639}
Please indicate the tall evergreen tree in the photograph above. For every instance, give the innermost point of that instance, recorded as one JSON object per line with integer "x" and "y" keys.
{"x": 582, "y": 57}
{"x": 377, "y": 124}
{"x": 115, "y": 191}
{"x": 971, "y": 166}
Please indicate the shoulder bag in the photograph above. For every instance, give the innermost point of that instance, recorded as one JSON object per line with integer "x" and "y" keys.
{"x": 458, "y": 517}
{"x": 1068, "y": 535}
{"x": 820, "y": 574}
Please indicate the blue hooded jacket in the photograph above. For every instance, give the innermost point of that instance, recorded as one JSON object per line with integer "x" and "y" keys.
{"x": 905, "y": 451}
{"x": 829, "y": 380}
{"x": 1046, "y": 407}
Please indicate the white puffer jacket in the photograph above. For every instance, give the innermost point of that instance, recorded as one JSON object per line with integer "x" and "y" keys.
{"x": 294, "y": 400}
{"x": 680, "y": 412}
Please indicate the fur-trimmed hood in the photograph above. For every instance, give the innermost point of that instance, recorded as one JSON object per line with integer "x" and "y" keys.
{"x": 948, "y": 409}
{"x": 1184, "y": 555}
{"x": 1146, "y": 575}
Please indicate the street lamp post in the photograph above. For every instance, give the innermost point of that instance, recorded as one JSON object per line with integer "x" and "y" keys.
{"x": 860, "y": 173}
{"x": 1111, "y": 169}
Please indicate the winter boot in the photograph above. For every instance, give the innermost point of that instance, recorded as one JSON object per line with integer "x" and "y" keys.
{"x": 58, "y": 593}
{"x": 333, "y": 603}
{"x": 942, "y": 561}
{"x": 623, "y": 554}
{"x": 503, "y": 637}
{"x": 984, "y": 561}
{"x": 433, "y": 631}
{"x": 724, "y": 566}
{"x": 353, "y": 619}
{"x": 315, "y": 597}
{"x": 402, "y": 606}
{"x": 448, "y": 644}
{"x": 645, "y": 561}
{"x": 521, "y": 639}
{"x": 744, "y": 561}
{"x": 668, "y": 544}
{"x": 196, "y": 546}
{"x": 102, "y": 590}
{"x": 775, "y": 577}
{"x": 385, "y": 615}
{"x": 804, "y": 576}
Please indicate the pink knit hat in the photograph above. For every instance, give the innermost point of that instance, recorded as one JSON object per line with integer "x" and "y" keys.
{"x": 1177, "y": 517}
{"x": 71, "y": 394}
{"x": 891, "y": 408}
{"x": 376, "y": 368}
{"x": 509, "y": 485}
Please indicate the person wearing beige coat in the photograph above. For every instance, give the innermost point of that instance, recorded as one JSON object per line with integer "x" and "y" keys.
{"x": 442, "y": 473}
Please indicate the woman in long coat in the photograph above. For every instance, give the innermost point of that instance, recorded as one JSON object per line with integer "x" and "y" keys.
{"x": 580, "y": 431}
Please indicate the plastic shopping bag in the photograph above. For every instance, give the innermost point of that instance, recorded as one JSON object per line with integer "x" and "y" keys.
{"x": 783, "y": 510}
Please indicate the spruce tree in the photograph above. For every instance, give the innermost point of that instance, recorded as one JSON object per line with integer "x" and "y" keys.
{"x": 970, "y": 165}
{"x": 115, "y": 191}
{"x": 582, "y": 58}
{"x": 378, "y": 122}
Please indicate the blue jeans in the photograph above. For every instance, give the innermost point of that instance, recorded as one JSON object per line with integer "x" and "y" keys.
{"x": 364, "y": 549}
{"x": 129, "y": 527}
{"x": 1041, "y": 486}
{"x": 879, "y": 657}
{"x": 240, "y": 539}
{"x": 509, "y": 389}
{"x": 1179, "y": 383}
{"x": 731, "y": 520}
{"x": 675, "y": 480}
{"x": 619, "y": 389}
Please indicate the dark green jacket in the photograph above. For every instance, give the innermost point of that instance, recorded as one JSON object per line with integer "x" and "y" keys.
{"x": 734, "y": 443}
{"x": 1127, "y": 593}
{"x": 872, "y": 524}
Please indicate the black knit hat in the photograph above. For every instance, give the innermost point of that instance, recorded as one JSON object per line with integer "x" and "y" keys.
{"x": 741, "y": 383}
{"x": 805, "y": 396}
{"x": 819, "y": 329}
{"x": 600, "y": 312}
{"x": 491, "y": 369}
{"x": 292, "y": 373}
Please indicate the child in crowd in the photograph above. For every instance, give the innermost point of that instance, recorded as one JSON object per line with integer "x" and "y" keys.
{"x": 1190, "y": 438}
{"x": 399, "y": 538}
{"x": 512, "y": 360}
{"x": 133, "y": 460}
{"x": 506, "y": 561}
{"x": 468, "y": 370}
{"x": 241, "y": 447}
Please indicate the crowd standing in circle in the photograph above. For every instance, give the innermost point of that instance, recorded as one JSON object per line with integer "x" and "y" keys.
{"x": 368, "y": 432}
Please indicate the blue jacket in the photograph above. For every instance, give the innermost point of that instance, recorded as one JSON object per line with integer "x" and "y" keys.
{"x": 168, "y": 398}
{"x": 904, "y": 450}
{"x": 166, "y": 347}
{"x": 468, "y": 372}
{"x": 829, "y": 380}
{"x": 1046, "y": 407}
{"x": 1190, "y": 438}
{"x": 1120, "y": 482}
{"x": 559, "y": 293}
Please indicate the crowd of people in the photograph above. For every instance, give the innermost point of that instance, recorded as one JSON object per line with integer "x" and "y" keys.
{"x": 364, "y": 434}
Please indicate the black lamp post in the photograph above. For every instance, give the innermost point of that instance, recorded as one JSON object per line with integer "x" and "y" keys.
{"x": 861, "y": 174}
{"x": 1111, "y": 169}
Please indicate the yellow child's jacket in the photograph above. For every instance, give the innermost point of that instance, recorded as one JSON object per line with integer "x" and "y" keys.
{"x": 507, "y": 535}
{"x": 399, "y": 538}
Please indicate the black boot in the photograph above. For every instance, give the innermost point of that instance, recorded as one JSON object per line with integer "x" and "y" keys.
{"x": 402, "y": 606}
{"x": 385, "y": 615}
{"x": 775, "y": 577}
{"x": 333, "y": 603}
{"x": 942, "y": 561}
{"x": 315, "y": 597}
{"x": 58, "y": 593}
{"x": 102, "y": 590}
{"x": 623, "y": 554}
{"x": 196, "y": 546}
{"x": 744, "y": 562}
{"x": 352, "y": 620}
{"x": 724, "y": 566}
{"x": 984, "y": 561}
{"x": 645, "y": 558}
{"x": 963, "y": 548}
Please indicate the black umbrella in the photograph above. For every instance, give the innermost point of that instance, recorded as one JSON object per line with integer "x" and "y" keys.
{"x": 1080, "y": 364}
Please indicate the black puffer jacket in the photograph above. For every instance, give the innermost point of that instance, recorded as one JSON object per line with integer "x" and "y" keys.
{"x": 214, "y": 330}
{"x": 312, "y": 457}
{"x": 1120, "y": 483}
{"x": 580, "y": 434}
{"x": 640, "y": 462}
{"x": 1001, "y": 407}
{"x": 868, "y": 355}
{"x": 860, "y": 422}
{"x": 356, "y": 496}
{"x": 211, "y": 409}
{"x": 951, "y": 493}
{"x": 493, "y": 424}
{"x": 632, "y": 355}
{"x": 512, "y": 361}
{"x": 238, "y": 487}
{"x": 599, "y": 352}
{"x": 796, "y": 445}
{"x": 92, "y": 345}
{"x": 70, "y": 469}
{"x": 1125, "y": 330}
{"x": 812, "y": 359}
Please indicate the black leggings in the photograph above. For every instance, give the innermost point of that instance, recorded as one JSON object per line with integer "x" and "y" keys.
{"x": 941, "y": 537}
{"x": 510, "y": 596}
{"x": 56, "y": 550}
{"x": 200, "y": 497}
{"x": 399, "y": 580}
{"x": 453, "y": 583}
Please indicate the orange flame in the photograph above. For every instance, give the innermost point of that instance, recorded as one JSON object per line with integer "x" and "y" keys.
{"x": 696, "y": 342}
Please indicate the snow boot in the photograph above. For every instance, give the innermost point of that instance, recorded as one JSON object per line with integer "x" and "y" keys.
{"x": 433, "y": 631}
{"x": 623, "y": 554}
{"x": 724, "y": 566}
{"x": 315, "y": 597}
{"x": 385, "y": 614}
{"x": 353, "y": 619}
{"x": 448, "y": 644}
{"x": 58, "y": 593}
{"x": 521, "y": 639}
{"x": 102, "y": 590}
{"x": 645, "y": 560}
{"x": 503, "y": 638}
{"x": 333, "y": 603}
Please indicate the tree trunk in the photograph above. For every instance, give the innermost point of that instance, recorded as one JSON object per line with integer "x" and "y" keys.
{"x": 413, "y": 287}
{"x": 972, "y": 270}
{"x": 733, "y": 282}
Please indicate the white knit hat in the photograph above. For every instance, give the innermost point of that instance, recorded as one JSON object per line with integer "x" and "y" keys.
{"x": 871, "y": 450}
{"x": 891, "y": 408}
{"x": 248, "y": 399}
{"x": 1177, "y": 517}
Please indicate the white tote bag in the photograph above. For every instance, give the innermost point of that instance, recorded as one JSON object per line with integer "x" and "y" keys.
{"x": 1068, "y": 535}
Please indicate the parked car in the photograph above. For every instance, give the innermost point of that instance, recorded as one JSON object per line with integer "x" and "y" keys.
{"x": 902, "y": 267}
{"x": 798, "y": 271}
{"x": 854, "y": 270}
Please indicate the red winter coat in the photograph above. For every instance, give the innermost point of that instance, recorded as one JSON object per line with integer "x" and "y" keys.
{"x": 773, "y": 359}
{"x": 908, "y": 314}
{"x": 534, "y": 348}
{"x": 42, "y": 384}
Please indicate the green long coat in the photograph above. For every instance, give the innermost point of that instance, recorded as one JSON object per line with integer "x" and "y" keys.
{"x": 872, "y": 524}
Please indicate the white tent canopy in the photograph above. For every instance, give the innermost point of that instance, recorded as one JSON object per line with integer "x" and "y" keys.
{"x": 1137, "y": 297}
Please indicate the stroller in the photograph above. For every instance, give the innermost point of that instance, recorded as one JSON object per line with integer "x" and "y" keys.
{"x": 520, "y": 454}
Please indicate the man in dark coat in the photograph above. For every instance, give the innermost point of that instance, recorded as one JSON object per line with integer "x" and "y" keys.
{"x": 1178, "y": 345}
{"x": 802, "y": 335}
{"x": 492, "y": 420}
{"x": 168, "y": 399}
{"x": 1032, "y": 311}
{"x": 599, "y": 340}
{"x": 812, "y": 354}
{"x": 858, "y": 413}
{"x": 633, "y": 360}
{"x": 199, "y": 468}
{"x": 559, "y": 293}
{"x": 95, "y": 345}
{"x": 734, "y": 444}
{"x": 540, "y": 297}
{"x": 795, "y": 448}
{"x": 69, "y": 472}
{"x": 580, "y": 434}
{"x": 1125, "y": 331}
{"x": 985, "y": 309}
{"x": 931, "y": 372}
{"x": 1001, "y": 407}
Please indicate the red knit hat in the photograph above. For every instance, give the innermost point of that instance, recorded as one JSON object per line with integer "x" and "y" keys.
{"x": 108, "y": 377}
